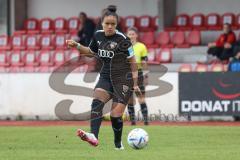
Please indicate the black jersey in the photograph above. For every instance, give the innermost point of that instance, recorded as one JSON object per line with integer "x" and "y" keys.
{"x": 113, "y": 51}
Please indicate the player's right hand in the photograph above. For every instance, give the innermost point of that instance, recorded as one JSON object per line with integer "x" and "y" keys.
{"x": 137, "y": 90}
{"x": 71, "y": 44}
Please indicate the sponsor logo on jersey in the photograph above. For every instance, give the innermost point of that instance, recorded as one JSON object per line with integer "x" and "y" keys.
{"x": 125, "y": 88}
{"x": 99, "y": 42}
{"x": 113, "y": 45}
{"x": 105, "y": 53}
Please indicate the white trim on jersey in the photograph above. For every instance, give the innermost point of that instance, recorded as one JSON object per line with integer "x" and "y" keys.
{"x": 100, "y": 31}
{"x": 130, "y": 56}
{"x": 120, "y": 33}
{"x": 91, "y": 51}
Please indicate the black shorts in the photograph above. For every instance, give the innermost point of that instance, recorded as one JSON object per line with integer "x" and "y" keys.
{"x": 120, "y": 91}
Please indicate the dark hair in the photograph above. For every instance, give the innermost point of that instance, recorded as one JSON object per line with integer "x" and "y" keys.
{"x": 83, "y": 14}
{"x": 228, "y": 24}
{"x": 133, "y": 29}
{"x": 112, "y": 8}
{"x": 110, "y": 11}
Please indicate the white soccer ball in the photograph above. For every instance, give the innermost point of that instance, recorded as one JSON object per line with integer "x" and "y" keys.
{"x": 138, "y": 138}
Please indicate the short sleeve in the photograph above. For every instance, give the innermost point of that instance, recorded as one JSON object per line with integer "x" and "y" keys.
{"x": 130, "y": 52}
{"x": 144, "y": 51}
{"x": 93, "y": 45}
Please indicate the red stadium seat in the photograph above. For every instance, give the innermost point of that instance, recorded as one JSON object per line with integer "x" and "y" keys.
{"x": 144, "y": 23}
{"x": 5, "y": 42}
{"x": 163, "y": 40}
{"x": 4, "y": 61}
{"x": 46, "y": 42}
{"x": 73, "y": 36}
{"x": 16, "y": 61}
{"x": 46, "y": 61}
{"x": 181, "y": 22}
{"x": 185, "y": 68}
{"x": 32, "y": 42}
{"x": 148, "y": 39}
{"x": 17, "y": 42}
{"x": 31, "y": 25}
{"x": 46, "y": 25}
{"x": 197, "y": 22}
{"x": 238, "y": 21}
{"x": 201, "y": 68}
{"x": 60, "y": 25}
{"x": 217, "y": 67}
{"x": 164, "y": 55}
{"x": 212, "y": 21}
{"x": 155, "y": 23}
{"x": 194, "y": 38}
{"x": 72, "y": 54}
{"x": 229, "y": 18}
{"x": 59, "y": 57}
{"x": 31, "y": 61}
{"x": 152, "y": 56}
{"x": 59, "y": 41}
{"x": 129, "y": 21}
{"x": 178, "y": 39}
{"x": 73, "y": 24}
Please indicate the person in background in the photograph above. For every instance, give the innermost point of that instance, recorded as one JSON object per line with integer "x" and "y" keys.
{"x": 234, "y": 64}
{"x": 223, "y": 47}
{"x": 87, "y": 29}
{"x": 140, "y": 52}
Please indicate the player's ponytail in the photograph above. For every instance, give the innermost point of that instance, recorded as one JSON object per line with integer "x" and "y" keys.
{"x": 110, "y": 11}
{"x": 112, "y": 8}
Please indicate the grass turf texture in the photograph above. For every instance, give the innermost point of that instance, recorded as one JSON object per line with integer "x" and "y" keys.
{"x": 166, "y": 143}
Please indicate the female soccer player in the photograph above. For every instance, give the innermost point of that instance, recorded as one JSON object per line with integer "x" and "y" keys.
{"x": 118, "y": 76}
{"x": 140, "y": 52}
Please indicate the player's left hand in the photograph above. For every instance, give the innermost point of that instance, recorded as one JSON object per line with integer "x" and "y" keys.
{"x": 137, "y": 90}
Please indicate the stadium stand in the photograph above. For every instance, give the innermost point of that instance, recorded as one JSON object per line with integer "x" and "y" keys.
{"x": 184, "y": 42}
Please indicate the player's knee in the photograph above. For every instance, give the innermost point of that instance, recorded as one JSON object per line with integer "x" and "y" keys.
{"x": 116, "y": 113}
{"x": 141, "y": 100}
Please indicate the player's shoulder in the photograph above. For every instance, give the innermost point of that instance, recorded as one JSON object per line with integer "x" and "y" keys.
{"x": 140, "y": 45}
{"x": 99, "y": 33}
{"x": 122, "y": 35}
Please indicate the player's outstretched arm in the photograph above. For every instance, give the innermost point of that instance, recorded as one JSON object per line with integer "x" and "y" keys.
{"x": 85, "y": 51}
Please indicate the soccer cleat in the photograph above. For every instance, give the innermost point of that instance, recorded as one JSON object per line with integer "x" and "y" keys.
{"x": 119, "y": 146}
{"x": 88, "y": 137}
{"x": 146, "y": 123}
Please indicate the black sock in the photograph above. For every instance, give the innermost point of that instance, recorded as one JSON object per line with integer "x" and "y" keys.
{"x": 96, "y": 116}
{"x": 144, "y": 111}
{"x": 131, "y": 112}
{"x": 117, "y": 125}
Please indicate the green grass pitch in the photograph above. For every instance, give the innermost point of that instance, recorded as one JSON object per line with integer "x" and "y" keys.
{"x": 166, "y": 143}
